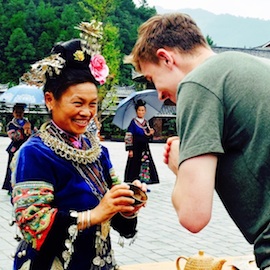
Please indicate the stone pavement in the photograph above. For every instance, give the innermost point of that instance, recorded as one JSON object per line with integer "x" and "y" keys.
{"x": 160, "y": 237}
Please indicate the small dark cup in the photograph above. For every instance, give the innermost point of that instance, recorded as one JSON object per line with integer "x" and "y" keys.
{"x": 139, "y": 196}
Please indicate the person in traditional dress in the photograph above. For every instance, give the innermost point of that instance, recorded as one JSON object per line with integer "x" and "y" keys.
{"x": 17, "y": 132}
{"x": 140, "y": 164}
{"x": 66, "y": 195}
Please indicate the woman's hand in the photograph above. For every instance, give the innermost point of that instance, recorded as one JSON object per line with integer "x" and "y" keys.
{"x": 130, "y": 153}
{"x": 117, "y": 199}
{"x": 139, "y": 184}
{"x": 133, "y": 213}
{"x": 151, "y": 131}
{"x": 27, "y": 129}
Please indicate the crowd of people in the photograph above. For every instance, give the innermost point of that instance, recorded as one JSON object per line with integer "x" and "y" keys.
{"x": 66, "y": 195}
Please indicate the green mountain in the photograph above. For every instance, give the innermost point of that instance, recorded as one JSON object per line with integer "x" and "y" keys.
{"x": 228, "y": 30}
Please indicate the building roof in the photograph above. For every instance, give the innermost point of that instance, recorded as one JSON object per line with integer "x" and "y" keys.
{"x": 265, "y": 46}
{"x": 258, "y": 51}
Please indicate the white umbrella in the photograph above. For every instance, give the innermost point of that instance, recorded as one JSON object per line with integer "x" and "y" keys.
{"x": 125, "y": 111}
{"x": 31, "y": 96}
{"x": 23, "y": 93}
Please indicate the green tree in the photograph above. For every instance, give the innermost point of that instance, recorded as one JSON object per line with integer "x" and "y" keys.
{"x": 44, "y": 45}
{"x": 3, "y": 23}
{"x": 127, "y": 17}
{"x": 32, "y": 20}
{"x": 110, "y": 49}
{"x": 18, "y": 45}
{"x": 69, "y": 18}
{"x": 46, "y": 22}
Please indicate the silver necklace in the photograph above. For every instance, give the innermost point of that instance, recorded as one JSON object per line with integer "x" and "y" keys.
{"x": 70, "y": 153}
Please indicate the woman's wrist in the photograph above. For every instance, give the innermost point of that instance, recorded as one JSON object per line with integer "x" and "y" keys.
{"x": 127, "y": 216}
{"x": 83, "y": 219}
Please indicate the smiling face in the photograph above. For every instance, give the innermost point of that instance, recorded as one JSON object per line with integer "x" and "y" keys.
{"x": 75, "y": 108}
{"x": 141, "y": 111}
{"x": 18, "y": 113}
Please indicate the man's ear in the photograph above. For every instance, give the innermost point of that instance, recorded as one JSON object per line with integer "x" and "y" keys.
{"x": 164, "y": 55}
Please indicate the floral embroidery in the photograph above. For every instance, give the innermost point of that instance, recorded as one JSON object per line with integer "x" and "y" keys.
{"x": 128, "y": 140}
{"x": 115, "y": 178}
{"x": 33, "y": 212}
{"x": 145, "y": 170}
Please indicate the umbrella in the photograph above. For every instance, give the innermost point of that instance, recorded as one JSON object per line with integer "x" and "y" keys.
{"x": 125, "y": 110}
{"x": 27, "y": 94}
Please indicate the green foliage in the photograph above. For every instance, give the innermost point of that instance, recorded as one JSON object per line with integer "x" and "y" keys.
{"x": 169, "y": 127}
{"x": 111, "y": 53}
{"x": 42, "y": 24}
{"x": 127, "y": 17}
{"x": 18, "y": 45}
{"x": 29, "y": 29}
{"x": 111, "y": 131}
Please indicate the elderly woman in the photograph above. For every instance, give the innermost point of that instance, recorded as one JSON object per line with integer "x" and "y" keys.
{"x": 66, "y": 195}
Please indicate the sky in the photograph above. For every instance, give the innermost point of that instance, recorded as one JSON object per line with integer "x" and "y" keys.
{"x": 245, "y": 8}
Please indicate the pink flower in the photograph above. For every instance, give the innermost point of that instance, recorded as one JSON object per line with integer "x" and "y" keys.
{"x": 98, "y": 68}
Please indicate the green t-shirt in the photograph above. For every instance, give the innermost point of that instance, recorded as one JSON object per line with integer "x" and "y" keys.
{"x": 223, "y": 107}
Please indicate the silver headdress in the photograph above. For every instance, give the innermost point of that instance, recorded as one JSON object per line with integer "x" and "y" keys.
{"x": 51, "y": 64}
{"x": 90, "y": 34}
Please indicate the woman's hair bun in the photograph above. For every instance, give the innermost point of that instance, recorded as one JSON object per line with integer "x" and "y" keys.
{"x": 67, "y": 50}
{"x": 140, "y": 102}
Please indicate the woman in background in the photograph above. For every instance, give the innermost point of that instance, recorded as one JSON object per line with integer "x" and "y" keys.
{"x": 140, "y": 164}
{"x": 18, "y": 130}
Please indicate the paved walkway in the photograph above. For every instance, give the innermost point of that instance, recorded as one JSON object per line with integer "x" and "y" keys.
{"x": 160, "y": 237}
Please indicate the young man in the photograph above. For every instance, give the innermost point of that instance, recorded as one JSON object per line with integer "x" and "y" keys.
{"x": 222, "y": 121}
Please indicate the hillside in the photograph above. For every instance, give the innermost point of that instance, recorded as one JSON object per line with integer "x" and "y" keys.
{"x": 227, "y": 30}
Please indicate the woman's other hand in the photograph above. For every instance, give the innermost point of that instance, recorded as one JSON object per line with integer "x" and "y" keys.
{"x": 151, "y": 131}
{"x": 139, "y": 184}
{"x": 134, "y": 212}
{"x": 27, "y": 129}
{"x": 130, "y": 153}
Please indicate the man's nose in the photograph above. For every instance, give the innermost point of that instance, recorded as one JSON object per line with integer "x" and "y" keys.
{"x": 161, "y": 96}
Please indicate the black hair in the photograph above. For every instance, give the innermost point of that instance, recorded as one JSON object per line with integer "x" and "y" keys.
{"x": 139, "y": 103}
{"x": 73, "y": 72}
{"x": 19, "y": 106}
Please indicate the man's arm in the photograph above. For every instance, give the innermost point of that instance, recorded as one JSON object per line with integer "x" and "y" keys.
{"x": 193, "y": 192}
